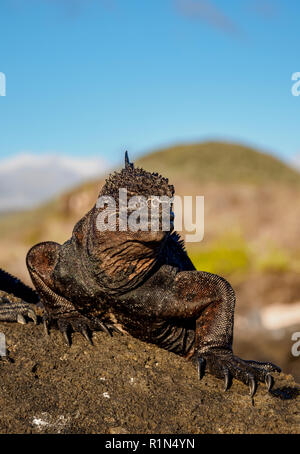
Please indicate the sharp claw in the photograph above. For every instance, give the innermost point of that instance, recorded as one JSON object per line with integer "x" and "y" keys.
{"x": 226, "y": 379}
{"x": 64, "y": 332}
{"x": 269, "y": 380}
{"x": 252, "y": 386}
{"x": 117, "y": 330}
{"x": 201, "y": 368}
{"x": 21, "y": 319}
{"x": 66, "y": 338}
{"x": 85, "y": 334}
{"x": 105, "y": 329}
{"x": 32, "y": 316}
{"x": 46, "y": 329}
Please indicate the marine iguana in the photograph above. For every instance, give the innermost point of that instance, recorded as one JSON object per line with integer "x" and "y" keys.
{"x": 141, "y": 283}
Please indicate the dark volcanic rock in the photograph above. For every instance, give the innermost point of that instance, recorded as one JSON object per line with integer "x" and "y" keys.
{"x": 122, "y": 385}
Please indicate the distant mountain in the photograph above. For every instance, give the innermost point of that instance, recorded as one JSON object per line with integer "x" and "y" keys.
{"x": 28, "y": 179}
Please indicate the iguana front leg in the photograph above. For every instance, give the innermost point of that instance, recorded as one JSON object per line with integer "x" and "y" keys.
{"x": 14, "y": 309}
{"x": 59, "y": 311}
{"x": 211, "y": 300}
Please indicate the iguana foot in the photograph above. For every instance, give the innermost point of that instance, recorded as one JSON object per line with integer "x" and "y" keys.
{"x": 75, "y": 322}
{"x": 13, "y": 309}
{"x": 224, "y": 365}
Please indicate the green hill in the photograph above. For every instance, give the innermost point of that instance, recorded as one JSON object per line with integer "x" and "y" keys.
{"x": 219, "y": 162}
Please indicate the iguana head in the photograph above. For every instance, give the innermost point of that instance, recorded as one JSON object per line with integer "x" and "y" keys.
{"x": 129, "y": 230}
{"x": 143, "y": 200}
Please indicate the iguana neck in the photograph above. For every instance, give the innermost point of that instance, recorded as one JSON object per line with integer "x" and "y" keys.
{"x": 122, "y": 267}
{"x": 114, "y": 259}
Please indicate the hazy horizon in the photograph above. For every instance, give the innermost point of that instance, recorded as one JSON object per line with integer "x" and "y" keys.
{"x": 28, "y": 180}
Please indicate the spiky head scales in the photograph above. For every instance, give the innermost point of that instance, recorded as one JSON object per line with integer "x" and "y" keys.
{"x": 137, "y": 181}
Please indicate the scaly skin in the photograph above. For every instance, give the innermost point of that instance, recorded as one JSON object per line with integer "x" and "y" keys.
{"x": 139, "y": 283}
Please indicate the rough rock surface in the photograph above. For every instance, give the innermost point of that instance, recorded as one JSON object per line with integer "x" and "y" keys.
{"x": 122, "y": 385}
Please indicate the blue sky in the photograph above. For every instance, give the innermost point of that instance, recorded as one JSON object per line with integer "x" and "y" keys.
{"x": 95, "y": 77}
